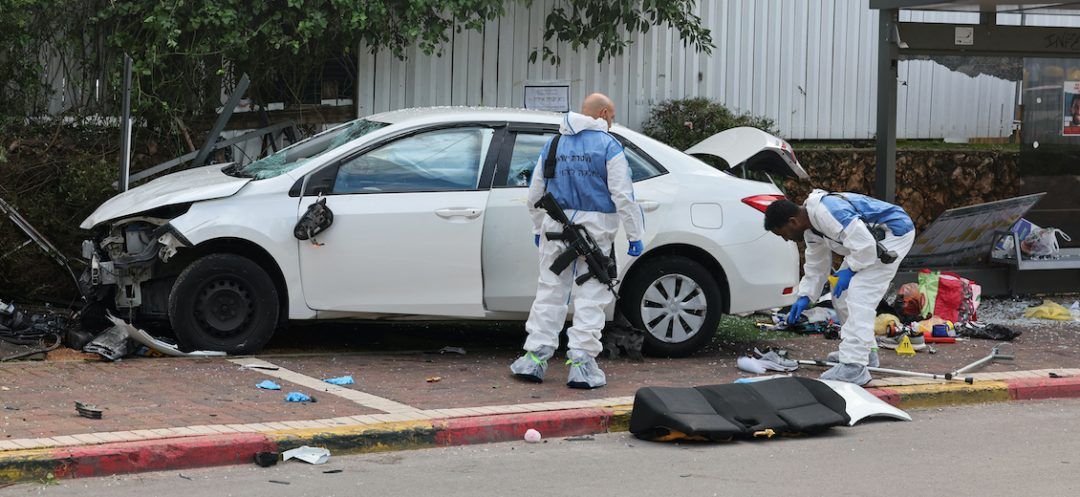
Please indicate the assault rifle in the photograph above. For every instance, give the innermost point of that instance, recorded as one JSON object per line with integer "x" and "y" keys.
{"x": 579, "y": 244}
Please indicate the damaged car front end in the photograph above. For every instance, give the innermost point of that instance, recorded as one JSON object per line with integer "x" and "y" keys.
{"x": 128, "y": 263}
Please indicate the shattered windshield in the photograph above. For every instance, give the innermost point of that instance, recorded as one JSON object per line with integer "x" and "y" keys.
{"x": 296, "y": 155}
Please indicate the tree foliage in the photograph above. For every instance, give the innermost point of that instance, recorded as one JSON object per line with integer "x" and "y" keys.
{"x": 685, "y": 122}
{"x": 185, "y": 51}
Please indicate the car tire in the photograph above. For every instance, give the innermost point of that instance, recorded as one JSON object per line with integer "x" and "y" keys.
{"x": 223, "y": 302}
{"x": 646, "y": 301}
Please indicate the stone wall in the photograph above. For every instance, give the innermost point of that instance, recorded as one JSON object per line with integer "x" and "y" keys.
{"x": 928, "y": 182}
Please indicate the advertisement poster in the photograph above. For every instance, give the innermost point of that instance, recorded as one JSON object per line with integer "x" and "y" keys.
{"x": 1071, "y": 118}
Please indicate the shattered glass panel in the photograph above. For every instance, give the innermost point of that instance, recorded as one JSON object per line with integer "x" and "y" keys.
{"x": 298, "y": 154}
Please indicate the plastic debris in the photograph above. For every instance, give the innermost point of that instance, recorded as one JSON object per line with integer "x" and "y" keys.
{"x": 88, "y": 410}
{"x": 158, "y": 345}
{"x": 434, "y": 379}
{"x": 341, "y": 380}
{"x": 1049, "y": 310}
{"x": 112, "y": 344}
{"x": 452, "y": 350}
{"x": 266, "y": 459}
{"x": 310, "y": 455}
{"x": 532, "y": 436}
{"x": 268, "y": 385}
{"x": 298, "y": 397}
{"x": 750, "y": 365}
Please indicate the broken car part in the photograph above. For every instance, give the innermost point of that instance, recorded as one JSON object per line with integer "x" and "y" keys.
{"x": 315, "y": 220}
{"x": 112, "y": 344}
{"x": 171, "y": 350}
{"x": 88, "y": 410}
{"x": 862, "y": 404}
{"x": 42, "y": 242}
{"x": 310, "y": 455}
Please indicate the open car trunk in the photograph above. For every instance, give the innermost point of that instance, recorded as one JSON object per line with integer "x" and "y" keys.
{"x": 754, "y": 149}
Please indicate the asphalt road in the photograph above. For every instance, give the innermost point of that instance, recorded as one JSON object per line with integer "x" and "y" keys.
{"x": 1021, "y": 448}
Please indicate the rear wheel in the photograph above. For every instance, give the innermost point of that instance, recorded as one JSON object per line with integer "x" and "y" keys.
{"x": 676, "y": 301}
{"x": 223, "y": 302}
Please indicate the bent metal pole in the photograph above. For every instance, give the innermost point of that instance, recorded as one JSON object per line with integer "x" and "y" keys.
{"x": 901, "y": 372}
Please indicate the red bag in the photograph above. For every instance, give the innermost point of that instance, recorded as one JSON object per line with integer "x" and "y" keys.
{"x": 952, "y": 297}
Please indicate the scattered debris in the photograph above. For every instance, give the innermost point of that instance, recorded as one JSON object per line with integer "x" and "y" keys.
{"x": 332, "y": 471}
{"x": 298, "y": 397}
{"x": 341, "y": 380}
{"x": 434, "y": 379}
{"x": 1049, "y": 310}
{"x": 750, "y": 365}
{"x": 260, "y": 366}
{"x": 25, "y": 328}
{"x": 990, "y": 331}
{"x": 268, "y": 385}
{"x": 452, "y": 350}
{"x": 581, "y": 438}
{"x": 158, "y": 345}
{"x": 279, "y": 482}
{"x": 112, "y": 344}
{"x": 188, "y": 478}
{"x": 310, "y": 455}
{"x": 532, "y": 436}
{"x": 1058, "y": 375}
{"x": 266, "y": 459}
{"x": 88, "y": 410}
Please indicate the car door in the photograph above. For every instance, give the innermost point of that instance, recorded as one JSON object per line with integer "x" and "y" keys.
{"x": 509, "y": 257}
{"x": 408, "y": 222}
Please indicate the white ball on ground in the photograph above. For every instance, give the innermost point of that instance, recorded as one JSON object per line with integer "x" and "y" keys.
{"x": 532, "y": 436}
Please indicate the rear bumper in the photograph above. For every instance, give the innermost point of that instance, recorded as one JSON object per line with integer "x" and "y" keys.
{"x": 759, "y": 271}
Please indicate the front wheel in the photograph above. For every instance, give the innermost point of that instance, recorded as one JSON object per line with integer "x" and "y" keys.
{"x": 223, "y": 302}
{"x": 676, "y": 301}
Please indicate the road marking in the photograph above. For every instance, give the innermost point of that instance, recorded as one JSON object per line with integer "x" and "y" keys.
{"x": 361, "y": 398}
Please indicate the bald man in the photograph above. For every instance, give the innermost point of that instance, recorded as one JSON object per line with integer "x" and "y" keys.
{"x": 592, "y": 184}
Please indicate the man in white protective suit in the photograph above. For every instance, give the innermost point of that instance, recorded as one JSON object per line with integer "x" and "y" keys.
{"x": 593, "y": 186}
{"x": 873, "y": 237}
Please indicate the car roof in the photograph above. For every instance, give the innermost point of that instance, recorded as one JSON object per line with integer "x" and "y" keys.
{"x": 458, "y": 113}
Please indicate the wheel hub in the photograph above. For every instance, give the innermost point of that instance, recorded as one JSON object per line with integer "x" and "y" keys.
{"x": 223, "y": 308}
{"x": 673, "y": 308}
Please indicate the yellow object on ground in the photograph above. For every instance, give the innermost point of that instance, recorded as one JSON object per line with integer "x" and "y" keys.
{"x": 927, "y": 325}
{"x": 905, "y": 347}
{"x": 1049, "y": 310}
{"x": 882, "y": 323}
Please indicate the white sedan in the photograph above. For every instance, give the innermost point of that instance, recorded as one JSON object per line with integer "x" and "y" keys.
{"x": 430, "y": 223}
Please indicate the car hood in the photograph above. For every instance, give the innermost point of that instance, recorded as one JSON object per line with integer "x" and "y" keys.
{"x": 758, "y": 149}
{"x": 203, "y": 183}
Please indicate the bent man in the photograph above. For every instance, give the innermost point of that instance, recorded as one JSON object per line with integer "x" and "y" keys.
{"x": 873, "y": 237}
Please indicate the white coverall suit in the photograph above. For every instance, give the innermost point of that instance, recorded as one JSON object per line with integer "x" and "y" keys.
{"x": 591, "y": 173}
{"x": 843, "y": 231}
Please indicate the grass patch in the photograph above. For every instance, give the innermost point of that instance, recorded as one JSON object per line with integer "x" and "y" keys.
{"x": 744, "y": 329}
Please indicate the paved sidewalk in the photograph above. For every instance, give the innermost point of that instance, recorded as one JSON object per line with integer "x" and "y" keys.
{"x": 398, "y": 403}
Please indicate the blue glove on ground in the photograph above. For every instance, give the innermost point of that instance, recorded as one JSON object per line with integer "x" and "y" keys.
{"x": 797, "y": 308}
{"x": 636, "y": 247}
{"x": 843, "y": 279}
{"x": 536, "y": 240}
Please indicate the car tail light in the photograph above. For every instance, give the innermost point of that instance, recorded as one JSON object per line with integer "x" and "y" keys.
{"x": 761, "y": 202}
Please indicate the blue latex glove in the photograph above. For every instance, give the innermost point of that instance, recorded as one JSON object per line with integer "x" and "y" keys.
{"x": 843, "y": 279}
{"x": 341, "y": 380}
{"x": 636, "y": 247}
{"x": 797, "y": 308}
{"x": 268, "y": 385}
{"x": 536, "y": 240}
{"x": 298, "y": 397}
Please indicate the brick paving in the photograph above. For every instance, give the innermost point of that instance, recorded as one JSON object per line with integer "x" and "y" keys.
{"x": 36, "y": 398}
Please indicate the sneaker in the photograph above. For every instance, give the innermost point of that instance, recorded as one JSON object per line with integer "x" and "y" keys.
{"x": 584, "y": 372}
{"x": 872, "y": 361}
{"x": 851, "y": 373}
{"x": 532, "y": 365}
{"x": 776, "y": 360}
{"x": 917, "y": 341}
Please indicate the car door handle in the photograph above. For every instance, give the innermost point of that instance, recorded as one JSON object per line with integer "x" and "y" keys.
{"x": 465, "y": 212}
{"x": 649, "y": 205}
